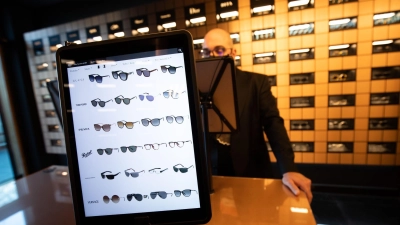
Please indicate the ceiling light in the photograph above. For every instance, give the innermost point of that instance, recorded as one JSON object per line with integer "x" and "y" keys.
{"x": 299, "y": 27}
{"x": 262, "y": 8}
{"x": 298, "y": 210}
{"x": 119, "y": 34}
{"x": 198, "y": 20}
{"x": 143, "y": 30}
{"x": 334, "y": 47}
{"x": 385, "y": 42}
{"x": 169, "y": 25}
{"x": 229, "y": 14}
{"x": 338, "y": 22}
{"x": 264, "y": 54}
{"x": 299, "y": 51}
{"x": 383, "y": 16}
{"x": 298, "y": 3}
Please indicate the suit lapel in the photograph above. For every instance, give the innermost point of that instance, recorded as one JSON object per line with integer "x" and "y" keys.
{"x": 242, "y": 89}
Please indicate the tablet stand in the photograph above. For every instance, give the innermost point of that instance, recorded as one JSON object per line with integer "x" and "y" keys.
{"x": 217, "y": 89}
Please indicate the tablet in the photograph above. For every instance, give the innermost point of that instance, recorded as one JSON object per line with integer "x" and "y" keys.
{"x": 132, "y": 125}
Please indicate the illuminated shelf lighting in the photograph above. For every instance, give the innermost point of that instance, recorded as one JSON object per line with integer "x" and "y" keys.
{"x": 299, "y": 27}
{"x": 299, "y": 51}
{"x": 198, "y": 20}
{"x": 264, "y": 54}
{"x": 169, "y": 25}
{"x": 338, "y": 22}
{"x": 262, "y": 9}
{"x": 334, "y": 47}
{"x": 267, "y": 31}
{"x": 298, "y": 3}
{"x": 229, "y": 14}
{"x": 143, "y": 30}
{"x": 383, "y": 16}
{"x": 385, "y": 42}
{"x": 119, "y": 34}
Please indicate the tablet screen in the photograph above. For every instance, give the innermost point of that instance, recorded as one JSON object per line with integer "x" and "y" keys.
{"x": 133, "y": 135}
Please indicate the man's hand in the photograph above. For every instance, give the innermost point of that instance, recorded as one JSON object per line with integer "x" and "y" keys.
{"x": 296, "y": 182}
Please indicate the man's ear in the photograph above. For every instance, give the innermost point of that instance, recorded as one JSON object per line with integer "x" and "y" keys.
{"x": 233, "y": 52}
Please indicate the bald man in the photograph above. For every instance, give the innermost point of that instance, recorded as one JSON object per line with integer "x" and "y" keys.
{"x": 244, "y": 153}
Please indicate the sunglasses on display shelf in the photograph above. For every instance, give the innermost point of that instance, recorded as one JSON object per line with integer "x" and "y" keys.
{"x": 186, "y": 192}
{"x": 131, "y": 148}
{"x": 100, "y": 102}
{"x": 114, "y": 198}
{"x": 128, "y": 125}
{"x": 133, "y": 174}
{"x": 181, "y": 169}
{"x": 178, "y": 119}
{"x": 138, "y": 197}
{"x": 108, "y": 151}
{"x": 105, "y": 127}
{"x": 155, "y": 146}
{"x": 157, "y": 170}
{"x": 97, "y": 78}
{"x": 172, "y": 94}
{"x": 121, "y": 98}
{"x": 300, "y": 125}
{"x": 338, "y": 102}
{"x": 154, "y": 122}
{"x": 161, "y": 194}
{"x": 108, "y": 176}
{"x": 148, "y": 97}
{"x": 145, "y": 72}
{"x": 340, "y": 77}
{"x": 171, "y": 69}
{"x": 121, "y": 74}
{"x": 178, "y": 143}
{"x": 337, "y": 124}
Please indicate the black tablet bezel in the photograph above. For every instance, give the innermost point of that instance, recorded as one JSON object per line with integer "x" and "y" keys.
{"x": 176, "y": 39}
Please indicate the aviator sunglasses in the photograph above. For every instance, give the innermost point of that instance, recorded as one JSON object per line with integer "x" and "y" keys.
{"x": 162, "y": 194}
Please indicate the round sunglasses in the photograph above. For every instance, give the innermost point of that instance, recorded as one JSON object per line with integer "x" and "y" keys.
{"x": 114, "y": 198}
{"x": 178, "y": 119}
{"x": 118, "y": 100}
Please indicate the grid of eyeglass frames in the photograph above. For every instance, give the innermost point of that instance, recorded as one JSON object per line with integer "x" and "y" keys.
{"x": 97, "y": 78}
{"x": 169, "y": 68}
{"x": 182, "y": 168}
{"x": 108, "y": 176}
{"x": 173, "y": 94}
{"x": 99, "y": 102}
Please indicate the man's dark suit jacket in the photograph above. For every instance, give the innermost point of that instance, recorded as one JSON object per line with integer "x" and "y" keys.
{"x": 258, "y": 112}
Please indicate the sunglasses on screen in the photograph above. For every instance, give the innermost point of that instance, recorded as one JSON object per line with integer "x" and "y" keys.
{"x": 114, "y": 198}
{"x": 145, "y": 72}
{"x": 121, "y": 74}
{"x": 138, "y": 197}
{"x": 108, "y": 176}
{"x": 121, "y": 98}
{"x": 171, "y": 69}
{"x": 97, "y": 78}
{"x": 99, "y": 102}
{"x": 105, "y": 127}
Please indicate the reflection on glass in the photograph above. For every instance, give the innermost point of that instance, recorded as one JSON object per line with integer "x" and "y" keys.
{"x": 8, "y": 193}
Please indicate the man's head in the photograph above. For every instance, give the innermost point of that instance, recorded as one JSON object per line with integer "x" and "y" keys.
{"x": 217, "y": 42}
